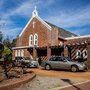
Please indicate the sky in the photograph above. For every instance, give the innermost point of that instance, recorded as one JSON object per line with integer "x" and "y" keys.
{"x": 72, "y": 15}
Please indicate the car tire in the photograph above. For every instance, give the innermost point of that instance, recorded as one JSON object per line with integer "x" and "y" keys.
{"x": 74, "y": 68}
{"x": 47, "y": 67}
{"x": 86, "y": 69}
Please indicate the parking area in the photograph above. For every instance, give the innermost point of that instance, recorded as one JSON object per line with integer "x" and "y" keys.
{"x": 62, "y": 73}
{"x": 55, "y": 80}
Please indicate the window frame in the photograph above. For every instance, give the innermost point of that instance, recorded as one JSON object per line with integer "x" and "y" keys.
{"x": 16, "y": 53}
{"x": 36, "y": 39}
{"x": 31, "y": 40}
{"x": 22, "y": 52}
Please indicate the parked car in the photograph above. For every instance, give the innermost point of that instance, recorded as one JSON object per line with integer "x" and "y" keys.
{"x": 60, "y": 62}
{"x": 34, "y": 63}
{"x": 27, "y": 61}
{"x": 24, "y": 60}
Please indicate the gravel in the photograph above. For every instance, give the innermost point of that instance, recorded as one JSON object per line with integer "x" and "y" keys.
{"x": 46, "y": 83}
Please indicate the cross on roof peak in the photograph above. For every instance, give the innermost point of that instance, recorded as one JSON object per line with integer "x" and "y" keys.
{"x": 35, "y": 7}
{"x": 35, "y": 12}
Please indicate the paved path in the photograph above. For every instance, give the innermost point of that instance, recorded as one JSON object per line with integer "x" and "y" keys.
{"x": 63, "y": 74}
{"x": 84, "y": 86}
{"x": 57, "y": 80}
{"x": 47, "y": 83}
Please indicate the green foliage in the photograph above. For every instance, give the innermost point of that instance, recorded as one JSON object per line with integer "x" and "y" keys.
{"x": 7, "y": 53}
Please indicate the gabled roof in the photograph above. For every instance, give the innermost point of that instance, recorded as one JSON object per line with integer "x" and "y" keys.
{"x": 62, "y": 32}
{"x": 35, "y": 15}
{"x": 78, "y": 37}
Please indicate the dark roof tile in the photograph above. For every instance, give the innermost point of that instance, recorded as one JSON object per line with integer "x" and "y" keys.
{"x": 62, "y": 32}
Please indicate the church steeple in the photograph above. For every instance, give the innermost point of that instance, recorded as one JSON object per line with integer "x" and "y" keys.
{"x": 35, "y": 12}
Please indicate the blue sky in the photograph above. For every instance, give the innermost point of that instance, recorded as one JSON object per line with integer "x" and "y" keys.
{"x": 72, "y": 15}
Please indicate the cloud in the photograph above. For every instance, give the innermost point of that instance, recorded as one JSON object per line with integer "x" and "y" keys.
{"x": 63, "y": 18}
{"x": 1, "y": 3}
{"x": 11, "y": 32}
{"x": 78, "y": 17}
{"x": 7, "y": 25}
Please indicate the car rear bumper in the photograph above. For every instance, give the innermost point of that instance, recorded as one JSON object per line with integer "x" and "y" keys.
{"x": 83, "y": 68}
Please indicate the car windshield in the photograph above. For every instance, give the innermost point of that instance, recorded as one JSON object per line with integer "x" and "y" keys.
{"x": 27, "y": 58}
{"x": 68, "y": 59}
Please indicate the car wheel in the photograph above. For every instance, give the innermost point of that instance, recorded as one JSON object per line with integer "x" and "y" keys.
{"x": 47, "y": 67}
{"x": 86, "y": 69}
{"x": 74, "y": 68}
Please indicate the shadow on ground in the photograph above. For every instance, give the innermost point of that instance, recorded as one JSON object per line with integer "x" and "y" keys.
{"x": 71, "y": 83}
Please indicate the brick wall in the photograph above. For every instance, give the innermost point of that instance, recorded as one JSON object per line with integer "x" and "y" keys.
{"x": 45, "y": 37}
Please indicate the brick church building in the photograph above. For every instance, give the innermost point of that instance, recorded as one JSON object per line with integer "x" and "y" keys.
{"x": 40, "y": 38}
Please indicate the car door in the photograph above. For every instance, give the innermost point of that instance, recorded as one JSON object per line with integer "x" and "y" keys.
{"x": 54, "y": 62}
{"x": 62, "y": 63}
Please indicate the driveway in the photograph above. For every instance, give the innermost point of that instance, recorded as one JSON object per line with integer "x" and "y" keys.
{"x": 56, "y": 80}
{"x": 62, "y": 74}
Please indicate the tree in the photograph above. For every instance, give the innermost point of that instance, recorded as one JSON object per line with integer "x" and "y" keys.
{"x": 5, "y": 54}
{"x": 7, "y": 42}
{"x": 1, "y": 49}
{"x": 1, "y": 36}
{"x": 13, "y": 42}
{"x": 7, "y": 59}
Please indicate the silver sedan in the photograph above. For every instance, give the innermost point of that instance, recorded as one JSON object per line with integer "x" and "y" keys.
{"x": 60, "y": 62}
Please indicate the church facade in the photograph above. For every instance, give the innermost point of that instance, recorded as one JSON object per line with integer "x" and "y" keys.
{"x": 40, "y": 38}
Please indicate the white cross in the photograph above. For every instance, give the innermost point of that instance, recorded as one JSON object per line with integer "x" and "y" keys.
{"x": 33, "y": 24}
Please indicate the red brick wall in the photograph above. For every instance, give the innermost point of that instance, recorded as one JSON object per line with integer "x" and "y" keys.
{"x": 40, "y": 29}
{"x": 45, "y": 36}
{"x": 54, "y": 37}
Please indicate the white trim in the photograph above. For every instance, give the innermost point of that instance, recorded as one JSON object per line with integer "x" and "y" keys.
{"x": 35, "y": 12}
{"x": 36, "y": 39}
{"x": 22, "y": 52}
{"x": 86, "y": 36}
{"x": 62, "y": 37}
{"x": 42, "y": 21}
{"x": 67, "y": 86}
{"x": 25, "y": 26}
{"x": 21, "y": 47}
{"x": 19, "y": 52}
{"x": 31, "y": 38}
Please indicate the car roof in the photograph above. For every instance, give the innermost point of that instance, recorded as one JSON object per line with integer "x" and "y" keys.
{"x": 56, "y": 56}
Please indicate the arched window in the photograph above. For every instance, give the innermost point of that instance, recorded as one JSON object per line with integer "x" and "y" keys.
{"x": 30, "y": 40}
{"x": 35, "y": 39}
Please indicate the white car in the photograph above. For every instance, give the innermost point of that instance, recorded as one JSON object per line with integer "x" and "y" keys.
{"x": 34, "y": 63}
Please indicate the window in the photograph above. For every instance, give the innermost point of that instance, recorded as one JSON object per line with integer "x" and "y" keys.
{"x": 22, "y": 53}
{"x": 30, "y": 40}
{"x": 19, "y": 52}
{"x": 52, "y": 59}
{"x": 16, "y": 53}
{"x": 35, "y": 39}
{"x": 60, "y": 59}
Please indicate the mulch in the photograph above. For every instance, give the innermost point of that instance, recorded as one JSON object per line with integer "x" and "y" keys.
{"x": 9, "y": 84}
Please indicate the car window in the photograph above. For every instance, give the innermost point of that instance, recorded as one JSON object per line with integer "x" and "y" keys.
{"x": 59, "y": 59}
{"x": 67, "y": 58}
{"x": 53, "y": 59}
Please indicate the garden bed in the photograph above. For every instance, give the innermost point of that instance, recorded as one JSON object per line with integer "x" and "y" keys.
{"x": 9, "y": 84}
